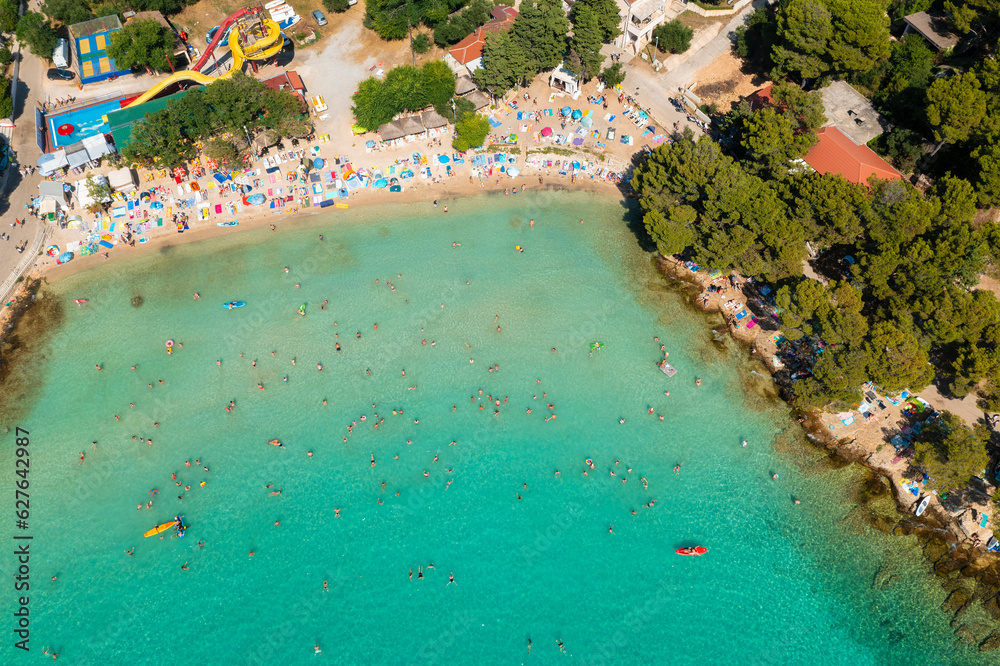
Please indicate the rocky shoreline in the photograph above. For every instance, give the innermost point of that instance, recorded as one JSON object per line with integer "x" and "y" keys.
{"x": 967, "y": 573}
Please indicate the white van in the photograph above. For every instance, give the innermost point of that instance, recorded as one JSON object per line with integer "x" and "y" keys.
{"x": 60, "y": 57}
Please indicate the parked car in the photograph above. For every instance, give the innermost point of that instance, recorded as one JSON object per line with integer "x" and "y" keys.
{"x": 320, "y": 19}
{"x": 611, "y": 134}
{"x": 60, "y": 75}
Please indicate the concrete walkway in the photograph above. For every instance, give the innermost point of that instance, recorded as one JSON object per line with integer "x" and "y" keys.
{"x": 21, "y": 190}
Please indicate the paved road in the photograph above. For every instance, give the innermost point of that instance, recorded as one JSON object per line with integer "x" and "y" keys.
{"x": 656, "y": 89}
{"x": 21, "y": 190}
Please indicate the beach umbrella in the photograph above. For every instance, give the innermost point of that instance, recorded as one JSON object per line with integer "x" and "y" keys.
{"x": 318, "y": 163}
{"x": 370, "y": 144}
{"x": 546, "y": 131}
{"x": 652, "y": 129}
{"x": 513, "y": 172}
{"x": 576, "y": 165}
{"x": 64, "y": 257}
{"x": 577, "y": 114}
{"x": 443, "y": 159}
{"x": 381, "y": 182}
{"x": 587, "y": 122}
{"x": 565, "y": 111}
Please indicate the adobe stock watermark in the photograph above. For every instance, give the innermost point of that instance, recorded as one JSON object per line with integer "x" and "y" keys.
{"x": 436, "y": 650}
{"x": 606, "y": 650}
{"x": 274, "y": 645}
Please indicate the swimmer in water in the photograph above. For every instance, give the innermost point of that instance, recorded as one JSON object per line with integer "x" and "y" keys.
{"x": 373, "y": 460}
{"x": 451, "y": 578}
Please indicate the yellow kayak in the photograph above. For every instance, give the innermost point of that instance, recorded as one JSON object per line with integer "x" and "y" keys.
{"x": 161, "y": 528}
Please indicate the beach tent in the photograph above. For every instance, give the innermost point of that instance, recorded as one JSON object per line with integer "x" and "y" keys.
{"x": 51, "y": 191}
{"x": 97, "y": 146}
{"x": 76, "y": 155}
{"x": 83, "y": 193}
{"x": 587, "y": 121}
{"x": 123, "y": 180}
{"x": 50, "y": 162}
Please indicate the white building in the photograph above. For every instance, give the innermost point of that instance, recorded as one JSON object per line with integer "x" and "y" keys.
{"x": 639, "y": 19}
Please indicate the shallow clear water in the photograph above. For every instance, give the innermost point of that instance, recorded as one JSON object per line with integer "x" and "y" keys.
{"x": 780, "y": 583}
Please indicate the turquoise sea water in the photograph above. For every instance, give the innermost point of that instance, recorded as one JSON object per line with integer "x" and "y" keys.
{"x": 780, "y": 583}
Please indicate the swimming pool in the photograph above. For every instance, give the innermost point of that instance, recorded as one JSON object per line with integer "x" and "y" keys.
{"x": 86, "y": 121}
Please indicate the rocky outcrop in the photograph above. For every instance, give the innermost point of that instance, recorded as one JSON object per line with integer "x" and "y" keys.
{"x": 957, "y": 602}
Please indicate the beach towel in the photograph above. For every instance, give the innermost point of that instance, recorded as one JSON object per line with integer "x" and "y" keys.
{"x": 218, "y": 209}
{"x": 847, "y": 418}
{"x": 273, "y": 178}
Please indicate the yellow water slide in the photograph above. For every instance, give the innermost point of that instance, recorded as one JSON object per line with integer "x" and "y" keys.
{"x": 266, "y": 47}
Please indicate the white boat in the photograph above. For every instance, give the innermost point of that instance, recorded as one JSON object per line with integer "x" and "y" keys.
{"x": 922, "y": 505}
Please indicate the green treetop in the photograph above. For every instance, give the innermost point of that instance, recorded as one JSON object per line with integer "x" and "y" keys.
{"x": 143, "y": 43}
{"x": 951, "y": 452}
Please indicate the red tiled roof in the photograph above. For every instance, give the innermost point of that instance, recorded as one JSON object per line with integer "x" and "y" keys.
{"x": 285, "y": 81}
{"x": 471, "y": 47}
{"x": 503, "y": 13}
{"x": 836, "y": 153}
{"x": 293, "y": 78}
{"x": 761, "y": 99}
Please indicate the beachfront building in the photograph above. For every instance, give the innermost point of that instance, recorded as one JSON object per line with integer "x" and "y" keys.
{"x": 562, "y": 79}
{"x": 836, "y": 153}
{"x": 933, "y": 27}
{"x": 639, "y": 19}
{"x": 467, "y": 56}
{"x": 851, "y": 122}
{"x": 413, "y": 128}
{"x": 851, "y": 113}
{"x": 291, "y": 82}
{"x": 89, "y": 42}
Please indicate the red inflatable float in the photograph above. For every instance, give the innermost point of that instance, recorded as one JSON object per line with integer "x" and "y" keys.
{"x": 66, "y": 130}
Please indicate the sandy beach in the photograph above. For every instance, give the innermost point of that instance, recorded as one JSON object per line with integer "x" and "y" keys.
{"x": 421, "y": 192}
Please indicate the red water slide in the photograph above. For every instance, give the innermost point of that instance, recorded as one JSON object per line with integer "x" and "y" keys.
{"x": 232, "y": 18}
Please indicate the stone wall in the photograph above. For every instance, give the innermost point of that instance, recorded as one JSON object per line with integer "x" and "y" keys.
{"x": 736, "y": 8}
